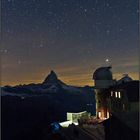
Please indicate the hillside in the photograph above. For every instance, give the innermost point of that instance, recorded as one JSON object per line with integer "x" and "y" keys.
{"x": 35, "y": 106}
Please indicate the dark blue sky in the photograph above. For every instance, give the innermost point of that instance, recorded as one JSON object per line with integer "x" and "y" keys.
{"x": 72, "y": 37}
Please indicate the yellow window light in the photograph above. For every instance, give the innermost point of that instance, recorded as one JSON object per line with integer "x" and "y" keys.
{"x": 116, "y": 94}
{"x": 99, "y": 114}
{"x": 119, "y": 94}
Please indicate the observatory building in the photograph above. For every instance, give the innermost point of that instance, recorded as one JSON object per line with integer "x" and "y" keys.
{"x": 114, "y": 96}
{"x": 103, "y": 79}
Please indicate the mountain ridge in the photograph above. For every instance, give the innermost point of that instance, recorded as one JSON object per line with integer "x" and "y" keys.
{"x": 51, "y": 84}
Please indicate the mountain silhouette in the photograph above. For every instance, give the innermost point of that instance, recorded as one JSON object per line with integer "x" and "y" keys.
{"x": 33, "y": 105}
{"x": 70, "y": 98}
{"x": 51, "y": 84}
{"x": 52, "y": 78}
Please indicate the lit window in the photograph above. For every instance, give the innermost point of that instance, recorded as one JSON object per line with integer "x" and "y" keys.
{"x": 119, "y": 94}
{"x": 111, "y": 93}
{"x": 107, "y": 114}
{"x": 116, "y": 95}
{"x": 99, "y": 114}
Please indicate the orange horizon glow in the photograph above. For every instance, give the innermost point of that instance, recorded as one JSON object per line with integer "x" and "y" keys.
{"x": 69, "y": 80}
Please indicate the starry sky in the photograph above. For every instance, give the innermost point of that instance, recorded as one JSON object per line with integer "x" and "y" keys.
{"x": 71, "y": 37}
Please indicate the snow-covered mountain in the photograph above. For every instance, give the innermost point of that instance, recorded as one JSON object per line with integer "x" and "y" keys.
{"x": 51, "y": 84}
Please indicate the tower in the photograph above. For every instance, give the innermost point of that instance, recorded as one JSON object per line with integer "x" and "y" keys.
{"x": 103, "y": 79}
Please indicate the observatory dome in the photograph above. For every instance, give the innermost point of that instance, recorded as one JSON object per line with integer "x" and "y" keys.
{"x": 103, "y": 73}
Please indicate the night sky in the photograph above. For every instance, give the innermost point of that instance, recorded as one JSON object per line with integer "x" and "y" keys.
{"x": 72, "y": 37}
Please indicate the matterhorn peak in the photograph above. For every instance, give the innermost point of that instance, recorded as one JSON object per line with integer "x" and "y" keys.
{"x": 52, "y": 73}
{"x": 51, "y": 78}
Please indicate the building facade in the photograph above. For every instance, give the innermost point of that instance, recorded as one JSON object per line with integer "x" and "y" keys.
{"x": 114, "y": 96}
{"x": 103, "y": 79}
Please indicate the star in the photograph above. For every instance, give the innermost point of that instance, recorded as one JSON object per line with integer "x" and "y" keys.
{"x": 19, "y": 62}
{"x": 49, "y": 28}
{"x": 93, "y": 8}
{"x": 85, "y": 10}
{"x": 41, "y": 45}
{"x": 80, "y": 35}
{"x": 120, "y": 29}
{"x": 107, "y": 5}
{"x": 107, "y": 60}
{"x": 107, "y": 32}
{"x": 57, "y": 27}
{"x": 81, "y": 7}
{"x": 3, "y": 50}
{"x": 49, "y": 1}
